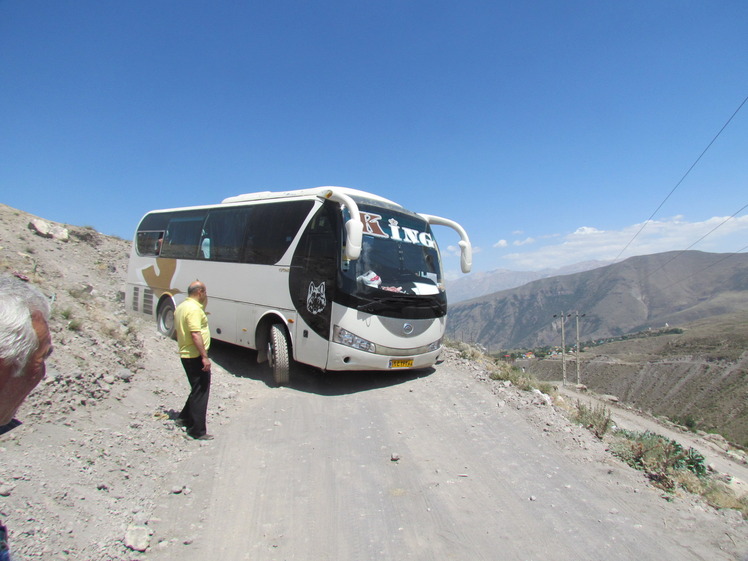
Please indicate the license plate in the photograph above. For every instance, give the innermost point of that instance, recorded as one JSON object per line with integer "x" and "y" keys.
{"x": 401, "y": 363}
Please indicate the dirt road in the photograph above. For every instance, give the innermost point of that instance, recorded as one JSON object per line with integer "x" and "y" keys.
{"x": 430, "y": 466}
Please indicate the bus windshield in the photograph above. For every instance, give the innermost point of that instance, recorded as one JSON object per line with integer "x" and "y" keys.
{"x": 398, "y": 255}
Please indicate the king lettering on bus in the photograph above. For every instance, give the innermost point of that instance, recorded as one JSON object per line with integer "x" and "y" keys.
{"x": 373, "y": 227}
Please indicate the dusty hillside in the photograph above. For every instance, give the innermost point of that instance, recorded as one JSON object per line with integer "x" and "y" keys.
{"x": 80, "y": 476}
{"x": 697, "y": 378}
{"x": 97, "y": 349}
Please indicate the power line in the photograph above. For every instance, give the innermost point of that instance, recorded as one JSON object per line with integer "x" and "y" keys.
{"x": 681, "y": 180}
{"x": 696, "y": 242}
{"x": 727, "y": 256}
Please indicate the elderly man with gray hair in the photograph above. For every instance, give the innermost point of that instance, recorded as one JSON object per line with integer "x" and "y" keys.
{"x": 25, "y": 344}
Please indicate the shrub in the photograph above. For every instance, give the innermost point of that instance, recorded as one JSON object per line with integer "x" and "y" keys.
{"x": 547, "y": 388}
{"x": 659, "y": 457}
{"x": 503, "y": 372}
{"x": 597, "y": 419}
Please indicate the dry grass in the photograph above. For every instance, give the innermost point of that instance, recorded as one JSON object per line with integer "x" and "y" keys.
{"x": 502, "y": 371}
{"x": 597, "y": 419}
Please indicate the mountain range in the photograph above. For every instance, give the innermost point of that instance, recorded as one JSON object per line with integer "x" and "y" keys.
{"x": 640, "y": 293}
{"x": 482, "y": 283}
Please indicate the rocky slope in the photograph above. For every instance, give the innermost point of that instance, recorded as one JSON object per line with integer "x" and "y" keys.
{"x": 82, "y": 474}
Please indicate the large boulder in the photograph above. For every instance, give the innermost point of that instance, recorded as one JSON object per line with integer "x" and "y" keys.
{"x": 49, "y": 230}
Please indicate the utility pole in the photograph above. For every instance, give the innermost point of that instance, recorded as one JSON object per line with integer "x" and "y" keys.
{"x": 576, "y": 358}
{"x": 563, "y": 346}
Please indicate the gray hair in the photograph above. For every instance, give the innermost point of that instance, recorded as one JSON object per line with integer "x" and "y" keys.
{"x": 18, "y": 340}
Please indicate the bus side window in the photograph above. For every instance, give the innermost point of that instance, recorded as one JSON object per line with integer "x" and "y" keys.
{"x": 224, "y": 234}
{"x": 183, "y": 236}
{"x": 271, "y": 229}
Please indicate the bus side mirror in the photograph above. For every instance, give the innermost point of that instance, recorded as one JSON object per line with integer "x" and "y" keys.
{"x": 466, "y": 256}
{"x": 466, "y": 249}
{"x": 354, "y": 231}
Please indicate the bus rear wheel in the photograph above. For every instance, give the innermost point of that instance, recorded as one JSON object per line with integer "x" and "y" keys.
{"x": 278, "y": 356}
{"x": 165, "y": 319}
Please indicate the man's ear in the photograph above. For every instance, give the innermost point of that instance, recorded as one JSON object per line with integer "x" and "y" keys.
{"x": 4, "y": 372}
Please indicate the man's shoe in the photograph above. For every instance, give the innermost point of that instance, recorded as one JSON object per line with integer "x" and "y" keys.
{"x": 203, "y": 437}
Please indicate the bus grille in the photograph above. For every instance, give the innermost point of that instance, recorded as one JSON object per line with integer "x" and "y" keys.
{"x": 135, "y": 298}
{"x": 148, "y": 301}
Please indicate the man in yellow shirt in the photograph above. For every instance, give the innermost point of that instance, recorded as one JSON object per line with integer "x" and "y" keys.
{"x": 193, "y": 337}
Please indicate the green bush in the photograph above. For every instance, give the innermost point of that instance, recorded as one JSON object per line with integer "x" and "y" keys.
{"x": 659, "y": 457}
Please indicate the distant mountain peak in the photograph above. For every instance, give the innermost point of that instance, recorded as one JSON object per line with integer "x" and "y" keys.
{"x": 638, "y": 293}
{"x": 482, "y": 283}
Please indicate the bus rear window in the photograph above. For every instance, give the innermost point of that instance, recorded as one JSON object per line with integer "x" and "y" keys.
{"x": 149, "y": 243}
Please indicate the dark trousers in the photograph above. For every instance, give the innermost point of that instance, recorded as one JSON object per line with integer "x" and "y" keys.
{"x": 196, "y": 407}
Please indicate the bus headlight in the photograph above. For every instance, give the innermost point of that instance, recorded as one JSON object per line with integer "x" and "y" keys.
{"x": 435, "y": 346}
{"x": 345, "y": 337}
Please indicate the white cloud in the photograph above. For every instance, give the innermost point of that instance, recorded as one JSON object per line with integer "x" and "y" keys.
{"x": 671, "y": 234}
{"x": 587, "y": 230}
{"x": 501, "y": 243}
{"x": 526, "y": 241}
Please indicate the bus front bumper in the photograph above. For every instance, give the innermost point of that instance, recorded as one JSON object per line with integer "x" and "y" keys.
{"x": 342, "y": 357}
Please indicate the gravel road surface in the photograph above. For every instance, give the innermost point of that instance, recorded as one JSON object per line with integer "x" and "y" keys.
{"x": 437, "y": 465}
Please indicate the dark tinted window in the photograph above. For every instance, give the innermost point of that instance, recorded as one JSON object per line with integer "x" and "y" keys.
{"x": 224, "y": 233}
{"x": 149, "y": 243}
{"x": 260, "y": 233}
{"x": 183, "y": 234}
{"x": 154, "y": 221}
{"x": 272, "y": 228}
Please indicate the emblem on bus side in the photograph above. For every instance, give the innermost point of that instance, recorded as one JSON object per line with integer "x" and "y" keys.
{"x": 316, "y": 299}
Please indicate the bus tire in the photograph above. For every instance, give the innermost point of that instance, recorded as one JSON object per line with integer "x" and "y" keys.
{"x": 165, "y": 319}
{"x": 278, "y": 358}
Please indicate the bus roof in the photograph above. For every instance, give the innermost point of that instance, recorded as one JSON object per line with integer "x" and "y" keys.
{"x": 321, "y": 192}
{"x": 266, "y": 195}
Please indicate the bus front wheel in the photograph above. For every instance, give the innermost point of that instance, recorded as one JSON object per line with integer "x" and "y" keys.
{"x": 278, "y": 357}
{"x": 165, "y": 319}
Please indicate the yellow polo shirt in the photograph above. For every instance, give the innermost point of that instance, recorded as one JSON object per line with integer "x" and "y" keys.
{"x": 188, "y": 317}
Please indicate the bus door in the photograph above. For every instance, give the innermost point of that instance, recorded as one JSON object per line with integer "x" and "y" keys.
{"x": 312, "y": 286}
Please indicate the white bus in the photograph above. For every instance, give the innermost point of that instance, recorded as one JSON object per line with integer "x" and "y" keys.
{"x": 335, "y": 278}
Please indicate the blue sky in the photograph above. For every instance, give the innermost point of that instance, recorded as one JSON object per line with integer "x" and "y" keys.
{"x": 551, "y": 130}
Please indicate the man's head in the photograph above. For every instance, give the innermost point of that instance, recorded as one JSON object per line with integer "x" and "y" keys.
{"x": 25, "y": 342}
{"x": 198, "y": 291}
